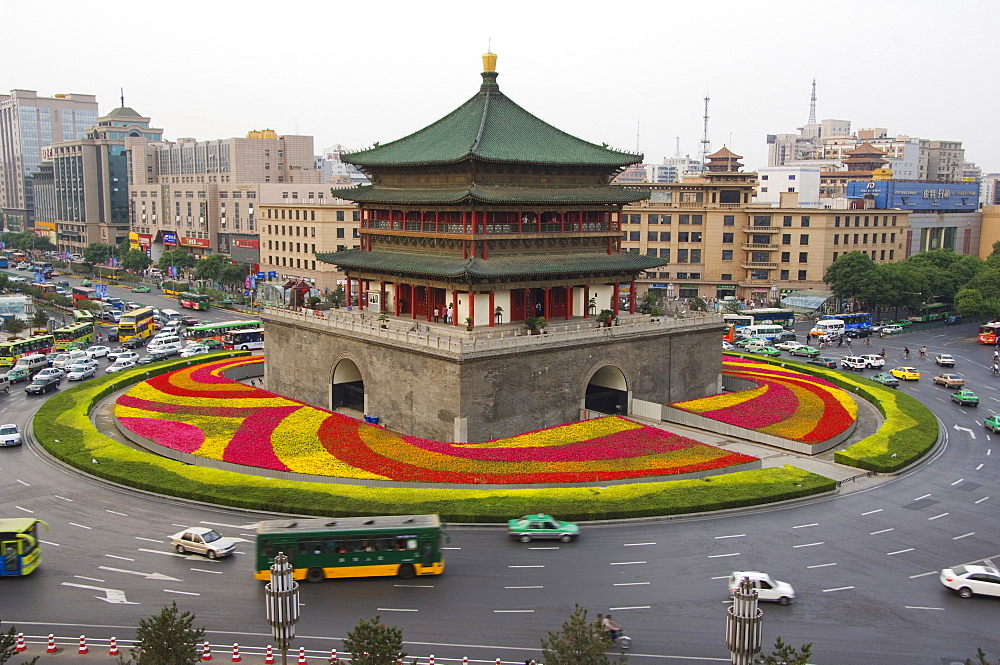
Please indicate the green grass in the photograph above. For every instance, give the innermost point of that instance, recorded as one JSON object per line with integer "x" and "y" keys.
{"x": 908, "y": 433}
{"x": 63, "y": 427}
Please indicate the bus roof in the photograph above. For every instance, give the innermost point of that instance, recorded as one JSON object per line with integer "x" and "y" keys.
{"x": 225, "y": 324}
{"x": 344, "y": 524}
{"x": 18, "y": 524}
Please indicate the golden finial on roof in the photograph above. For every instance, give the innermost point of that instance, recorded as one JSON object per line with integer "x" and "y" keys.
{"x": 489, "y": 61}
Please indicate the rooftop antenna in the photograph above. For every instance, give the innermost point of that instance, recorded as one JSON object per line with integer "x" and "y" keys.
{"x": 705, "y": 143}
{"x": 123, "y": 97}
{"x": 677, "y": 149}
{"x": 812, "y": 106}
{"x": 637, "y": 151}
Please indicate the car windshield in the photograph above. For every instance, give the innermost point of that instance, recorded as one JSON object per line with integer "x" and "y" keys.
{"x": 8, "y": 429}
{"x": 211, "y": 536}
{"x": 39, "y": 382}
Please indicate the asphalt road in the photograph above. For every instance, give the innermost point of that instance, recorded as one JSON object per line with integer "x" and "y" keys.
{"x": 864, "y": 565}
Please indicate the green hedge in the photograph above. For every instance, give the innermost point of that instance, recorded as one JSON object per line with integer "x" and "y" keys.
{"x": 909, "y": 432}
{"x": 63, "y": 427}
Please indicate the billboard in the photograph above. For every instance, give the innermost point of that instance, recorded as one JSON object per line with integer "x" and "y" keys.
{"x": 917, "y": 196}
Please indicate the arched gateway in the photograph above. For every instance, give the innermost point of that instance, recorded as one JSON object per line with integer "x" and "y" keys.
{"x": 348, "y": 387}
{"x": 607, "y": 392}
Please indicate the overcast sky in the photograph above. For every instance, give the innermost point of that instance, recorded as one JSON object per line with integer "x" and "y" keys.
{"x": 355, "y": 73}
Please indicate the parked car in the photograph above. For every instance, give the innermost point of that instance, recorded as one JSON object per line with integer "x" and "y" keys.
{"x": 804, "y": 350}
{"x": 969, "y": 580}
{"x": 202, "y": 540}
{"x": 907, "y": 373}
{"x": 767, "y": 587}
{"x": 140, "y": 289}
{"x": 965, "y": 398}
{"x": 856, "y": 363}
{"x": 873, "y": 360}
{"x": 10, "y": 435}
{"x": 15, "y": 374}
{"x": 40, "y": 385}
{"x": 944, "y": 360}
{"x": 886, "y": 379}
{"x": 830, "y": 363}
{"x": 892, "y": 329}
{"x": 949, "y": 380}
{"x": 120, "y": 364}
{"x": 541, "y": 527}
{"x": 992, "y": 423}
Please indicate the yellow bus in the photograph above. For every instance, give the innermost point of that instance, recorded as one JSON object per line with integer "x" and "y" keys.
{"x": 20, "y": 545}
{"x": 135, "y": 323}
{"x": 13, "y": 349}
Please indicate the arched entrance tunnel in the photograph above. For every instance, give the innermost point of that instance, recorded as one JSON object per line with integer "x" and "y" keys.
{"x": 348, "y": 388}
{"x": 607, "y": 392}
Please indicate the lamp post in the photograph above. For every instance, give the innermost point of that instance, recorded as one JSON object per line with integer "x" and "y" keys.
{"x": 670, "y": 291}
{"x": 281, "y": 596}
{"x": 743, "y": 624}
{"x": 775, "y": 295}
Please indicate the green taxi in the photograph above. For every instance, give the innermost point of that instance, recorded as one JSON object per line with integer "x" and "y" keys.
{"x": 15, "y": 374}
{"x": 140, "y": 289}
{"x": 965, "y": 398}
{"x": 992, "y": 423}
{"x": 86, "y": 282}
{"x": 541, "y": 527}
{"x": 766, "y": 351}
{"x": 886, "y": 379}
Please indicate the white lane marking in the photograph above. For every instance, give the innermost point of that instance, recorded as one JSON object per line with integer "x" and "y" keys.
{"x": 933, "y": 572}
{"x": 414, "y": 586}
{"x": 395, "y": 609}
{"x": 183, "y": 593}
{"x": 636, "y": 544}
{"x": 148, "y": 540}
{"x": 513, "y": 611}
{"x": 822, "y": 542}
{"x": 875, "y": 533}
{"x": 232, "y": 526}
{"x": 840, "y": 588}
{"x": 254, "y": 535}
{"x": 735, "y": 535}
{"x": 979, "y": 467}
{"x": 115, "y": 556}
{"x": 116, "y": 596}
{"x": 524, "y": 587}
{"x": 626, "y": 563}
{"x": 908, "y": 549}
{"x": 62, "y": 498}
{"x": 23, "y": 483}
{"x": 964, "y": 535}
{"x": 937, "y": 516}
{"x": 181, "y": 526}
{"x": 543, "y": 548}
{"x": 803, "y": 526}
{"x": 630, "y": 607}
{"x": 89, "y": 579}
{"x": 721, "y": 577}
{"x": 922, "y": 497}
{"x": 719, "y": 556}
{"x": 872, "y": 512}
{"x": 451, "y": 548}
{"x": 80, "y": 525}
{"x": 115, "y": 512}
{"x": 957, "y": 481}
{"x": 143, "y": 549}
{"x": 149, "y": 576}
{"x": 526, "y": 566}
{"x": 48, "y": 543}
{"x": 214, "y": 572}
{"x": 25, "y": 510}
{"x": 630, "y": 583}
{"x": 917, "y": 607}
{"x": 821, "y": 565}
{"x": 981, "y": 500}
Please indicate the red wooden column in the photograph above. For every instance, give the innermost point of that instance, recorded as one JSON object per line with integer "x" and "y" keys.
{"x": 569, "y": 302}
{"x": 631, "y": 297}
{"x": 547, "y": 313}
{"x": 472, "y": 305}
{"x": 349, "y": 293}
{"x": 398, "y": 291}
{"x": 454, "y": 307}
{"x": 493, "y": 317}
{"x": 430, "y": 305}
{"x": 586, "y": 301}
{"x": 614, "y": 299}
{"x": 413, "y": 301}
{"x": 381, "y": 301}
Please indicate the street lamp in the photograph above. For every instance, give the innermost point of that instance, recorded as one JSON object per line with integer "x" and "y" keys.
{"x": 775, "y": 294}
{"x": 743, "y": 624}
{"x": 281, "y": 595}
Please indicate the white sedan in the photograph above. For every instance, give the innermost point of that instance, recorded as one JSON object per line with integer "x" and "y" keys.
{"x": 119, "y": 365}
{"x": 970, "y": 580}
{"x": 81, "y": 371}
{"x": 98, "y": 351}
{"x": 767, "y": 588}
{"x": 788, "y": 346}
{"x": 201, "y": 540}
{"x": 193, "y": 350}
{"x": 10, "y": 435}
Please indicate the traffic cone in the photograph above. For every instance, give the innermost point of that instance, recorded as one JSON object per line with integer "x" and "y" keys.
{"x": 333, "y": 657}
{"x": 430, "y": 660}
{"x": 20, "y": 646}
{"x": 465, "y": 660}
{"x": 83, "y": 645}
{"x": 206, "y": 652}
{"x": 51, "y": 648}
{"x": 113, "y": 647}
{"x": 269, "y": 656}
{"x": 302, "y": 656}
{"x": 236, "y": 653}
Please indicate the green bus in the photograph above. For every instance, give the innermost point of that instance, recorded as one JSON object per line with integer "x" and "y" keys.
{"x": 324, "y": 547}
{"x": 75, "y": 335}
{"x": 218, "y": 331}
{"x": 13, "y": 349}
{"x": 194, "y": 300}
{"x": 20, "y": 545}
{"x": 83, "y": 316}
{"x": 938, "y": 311}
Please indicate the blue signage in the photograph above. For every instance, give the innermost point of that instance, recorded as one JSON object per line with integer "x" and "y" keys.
{"x": 169, "y": 238}
{"x": 916, "y": 195}
{"x": 272, "y": 274}
{"x": 261, "y": 275}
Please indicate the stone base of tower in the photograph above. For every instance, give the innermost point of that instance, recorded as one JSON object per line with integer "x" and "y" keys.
{"x": 447, "y": 384}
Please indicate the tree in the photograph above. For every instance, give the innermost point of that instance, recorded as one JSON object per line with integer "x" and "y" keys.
{"x": 732, "y": 307}
{"x": 14, "y": 326}
{"x": 39, "y": 319}
{"x": 382, "y": 644}
{"x": 785, "y": 654}
{"x": 8, "y": 641}
{"x": 167, "y": 638}
{"x": 973, "y": 303}
{"x": 176, "y": 257}
{"x": 211, "y": 266}
{"x": 846, "y": 275}
{"x": 232, "y": 275}
{"x": 97, "y": 253}
{"x": 135, "y": 260}
{"x": 337, "y": 297}
{"x": 578, "y": 642}
{"x": 980, "y": 655}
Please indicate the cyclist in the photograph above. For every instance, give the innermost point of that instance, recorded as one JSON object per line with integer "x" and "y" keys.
{"x": 923, "y": 351}
{"x": 883, "y": 354}
{"x": 868, "y": 341}
{"x": 906, "y": 353}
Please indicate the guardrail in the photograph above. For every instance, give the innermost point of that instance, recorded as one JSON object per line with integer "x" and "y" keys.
{"x": 866, "y": 474}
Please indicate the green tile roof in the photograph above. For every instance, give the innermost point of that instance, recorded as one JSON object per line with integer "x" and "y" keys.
{"x": 496, "y": 194}
{"x": 505, "y": 266}
{"x": 491, "y": 127}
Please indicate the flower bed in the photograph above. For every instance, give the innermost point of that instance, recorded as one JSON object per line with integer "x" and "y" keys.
{"x": 197, "y": 410}
{"x": 786, "y": 403}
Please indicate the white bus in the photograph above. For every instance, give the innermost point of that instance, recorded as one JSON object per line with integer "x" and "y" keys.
{"x": 769, "y": 331}
{"x": 830, "y": 327}
{"x": 170, "y": 315}
{"x": 245, "y": 340}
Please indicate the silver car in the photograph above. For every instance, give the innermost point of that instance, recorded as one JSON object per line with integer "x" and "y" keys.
{"x": 202, "y": 540}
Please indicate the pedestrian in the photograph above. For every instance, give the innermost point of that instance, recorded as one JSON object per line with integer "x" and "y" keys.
{"x": 437, "y": 314}
{"x": 449, "y": 313}
{"x": 840, "y": 341}
{"x": 906, "y": 353}
{"x": 883, "y": 354}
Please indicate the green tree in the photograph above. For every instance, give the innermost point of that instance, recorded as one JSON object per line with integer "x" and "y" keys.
{"x": 176, "y": 257}
{"x": 39, "y": 319}
{"x": 944, "y": 272}
{"x": 337, "y": 297}
{"x": 135, "y": 260}
{"x": 785, "y": 654}
{"x": 382, "y": 644}
{"x": 232, "y": 275}
{"x": 8, "y": 642}
{"x": 980, "y": 655}
{"x": 973, "y": 303}
{"x": 579, "y": 641}
{"x": 167, "y": 638}
{"x": 732, "y": 307}
{"x": 211, "y": 266}
{"x": 846, "y": 275}
{"x": 14, "y": 325}
{"x": 97, "y": 253}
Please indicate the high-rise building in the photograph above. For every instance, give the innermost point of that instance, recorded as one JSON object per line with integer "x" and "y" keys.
{"x": 91, "y": 181}
{"x": 28, "y": 124}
